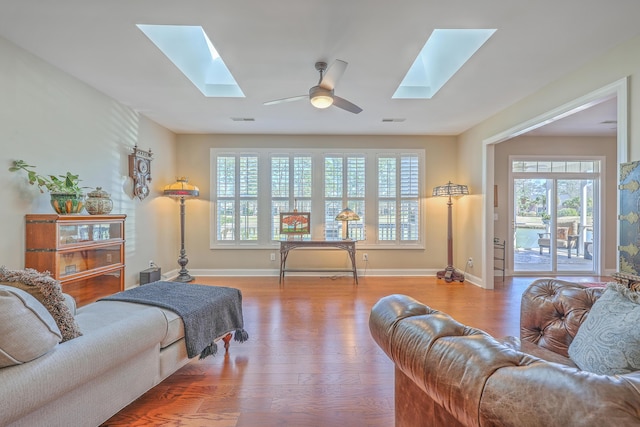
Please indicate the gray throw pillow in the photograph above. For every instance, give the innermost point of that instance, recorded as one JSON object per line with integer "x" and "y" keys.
{"x": 48, "y": 291}
{"x": 608, "y": 341}
{"x": 27, "y": 330}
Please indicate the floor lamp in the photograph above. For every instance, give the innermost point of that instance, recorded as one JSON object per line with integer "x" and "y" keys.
{"x": 181, "y": 189}
{"x": 450, "y": 190}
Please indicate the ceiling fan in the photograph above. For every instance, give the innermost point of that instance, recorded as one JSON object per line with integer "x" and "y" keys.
{"x": 321, "y": 95}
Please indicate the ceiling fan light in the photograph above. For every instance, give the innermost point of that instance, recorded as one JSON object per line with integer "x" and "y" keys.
{"x": 320, "y": 97}
{"x": 322, "y": 101}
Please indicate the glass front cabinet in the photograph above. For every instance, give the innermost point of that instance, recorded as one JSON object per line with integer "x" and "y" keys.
{"x": 84, "y": 252}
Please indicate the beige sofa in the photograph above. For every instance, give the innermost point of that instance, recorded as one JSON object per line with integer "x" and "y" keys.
{"x": 125, "y": 350}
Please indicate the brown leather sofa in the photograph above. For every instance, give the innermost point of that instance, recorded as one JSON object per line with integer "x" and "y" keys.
{"x": 449, "y": 374}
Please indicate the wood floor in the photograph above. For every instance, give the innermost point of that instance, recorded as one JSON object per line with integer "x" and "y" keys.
{"x": 310, "y": 360}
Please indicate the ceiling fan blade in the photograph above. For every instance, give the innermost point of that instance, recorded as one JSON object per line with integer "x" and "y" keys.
{"x": 346, "y": 105}
{"x": 292, "y": 98}
{"x": 333, "y": 74}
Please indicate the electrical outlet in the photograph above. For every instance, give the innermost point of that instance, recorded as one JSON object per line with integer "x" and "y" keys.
{"x": 152, "y": 264}
{"x": 470, "y": 262}
{"x": 273, "y": 256}
{"x": 365, "y": 257}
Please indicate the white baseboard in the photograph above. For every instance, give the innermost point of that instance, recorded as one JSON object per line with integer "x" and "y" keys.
{"x": 274, "y": 273}
{"x": 269, "y": 272}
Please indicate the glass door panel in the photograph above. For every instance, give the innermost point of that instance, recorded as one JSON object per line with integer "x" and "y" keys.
{"x": 531, "y": 222}
{"x": 556, "y": 238}
{"x": 574, "y": 225}
{"x": 73, "y": 234}
{"x": 81, "y": 260}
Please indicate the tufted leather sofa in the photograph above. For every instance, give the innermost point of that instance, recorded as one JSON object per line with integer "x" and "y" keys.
{"x": 449, "y": 374}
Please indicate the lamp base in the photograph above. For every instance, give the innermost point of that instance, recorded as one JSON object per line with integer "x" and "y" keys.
{"x": 184, "y": 278}
{"x": 183, "y": 274}
{"x": 449, "y": 274}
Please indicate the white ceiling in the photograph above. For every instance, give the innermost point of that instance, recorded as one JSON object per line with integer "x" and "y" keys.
{"x": 600, "y": 119}
{"x": 271, "y": 47}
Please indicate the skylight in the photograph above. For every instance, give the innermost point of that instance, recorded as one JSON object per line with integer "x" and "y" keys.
{"x": 444, "y": 53}
{"x": 189, "y": 48}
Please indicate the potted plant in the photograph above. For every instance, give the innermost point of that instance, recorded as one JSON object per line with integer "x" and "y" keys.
{"x": 546, "y": 218}
{"x": 67, "y": 196}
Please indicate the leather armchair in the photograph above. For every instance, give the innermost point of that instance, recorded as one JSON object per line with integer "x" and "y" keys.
{"x": 449, "y": 374}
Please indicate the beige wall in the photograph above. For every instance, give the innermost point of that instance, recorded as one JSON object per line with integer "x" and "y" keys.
{"x": 560, "y": 146}
{"x": 193, "y": 161}
{"x": 53, "y": 121}
{"x": 617, "y": 64}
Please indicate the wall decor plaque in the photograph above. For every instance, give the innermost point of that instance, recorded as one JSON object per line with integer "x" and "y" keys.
{"x": 140, "y": 171}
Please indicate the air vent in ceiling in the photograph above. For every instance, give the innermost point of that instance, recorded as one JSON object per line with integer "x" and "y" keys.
{"x": 243, "y": 119}
{"x": 391, "y": 120}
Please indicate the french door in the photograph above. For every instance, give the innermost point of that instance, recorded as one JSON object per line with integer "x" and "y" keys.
{"x": 555, "y": 216}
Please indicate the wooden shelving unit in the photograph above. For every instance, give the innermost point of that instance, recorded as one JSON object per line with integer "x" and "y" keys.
{"x": 84, "y": 252}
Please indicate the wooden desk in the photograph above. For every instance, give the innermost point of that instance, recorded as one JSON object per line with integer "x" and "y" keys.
{"x": 288, "y": 245}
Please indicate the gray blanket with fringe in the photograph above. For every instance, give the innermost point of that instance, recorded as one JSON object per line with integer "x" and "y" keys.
{"x": 208, "y": 312}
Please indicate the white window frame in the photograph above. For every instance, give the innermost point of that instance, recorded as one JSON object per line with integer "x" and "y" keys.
{"x": 318, "y": 201}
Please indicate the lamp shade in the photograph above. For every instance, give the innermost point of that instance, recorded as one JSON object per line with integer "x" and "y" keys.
{"x": 321, "y": 97}
{"x": 450, "y": 190}
{"x": 181, "y": 189}
{"x": 347, "y": 215}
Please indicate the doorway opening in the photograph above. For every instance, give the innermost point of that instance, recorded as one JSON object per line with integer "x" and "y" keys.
{"x": 617, "y": 89}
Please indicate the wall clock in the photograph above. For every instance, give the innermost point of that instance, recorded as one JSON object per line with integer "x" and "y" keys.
{"x": 140, "y": 171}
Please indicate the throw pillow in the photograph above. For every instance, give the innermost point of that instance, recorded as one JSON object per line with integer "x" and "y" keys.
{"x": 608, "y": 341}
{"x": 48, "y": 291}
{"x": 563, "y": 232}
{"x": 27, "y": 330}
{"x": 70, "y": 302}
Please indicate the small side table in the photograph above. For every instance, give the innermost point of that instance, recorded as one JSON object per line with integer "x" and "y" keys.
{"x": 346, "y": 245}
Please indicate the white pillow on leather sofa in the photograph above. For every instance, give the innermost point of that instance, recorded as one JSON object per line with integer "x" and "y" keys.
{"x": 608, "y": 341}
{"x": 27, "y": 329}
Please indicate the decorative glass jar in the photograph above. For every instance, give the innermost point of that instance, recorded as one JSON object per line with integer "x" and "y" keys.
{"x": 98, "y": 202}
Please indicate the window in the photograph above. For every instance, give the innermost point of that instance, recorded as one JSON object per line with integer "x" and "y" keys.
{"x": 291, "y": 185}
{"x": 384, "y": 187}
{"x": 557, "y": 166}
{"x": 398, "y": 198}
{"x": 237, "y": 198}
{"x": 344, "y": 186}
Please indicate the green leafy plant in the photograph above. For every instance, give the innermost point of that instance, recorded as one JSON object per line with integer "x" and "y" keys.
{"x": 568, "y": 212}
{"x": 546, "y": 217}
{"x": 69, "y": 183}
